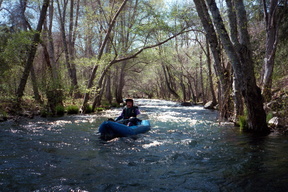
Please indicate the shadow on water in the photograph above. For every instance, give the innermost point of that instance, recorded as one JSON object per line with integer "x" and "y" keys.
{"x": 186, "y": 150}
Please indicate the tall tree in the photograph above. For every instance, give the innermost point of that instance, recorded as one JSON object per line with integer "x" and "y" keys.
{"x": 273, "y": 14}
{"x": 54, "y": 91}
{"x": 25, "y": 26}
{"x": 238, "y": 101}
{"x": 242, "y": 63}
{"x": 221, "y": 71}
{"x": 33, "y": 49}
{"x": 68, "y": 60}
{"x": 100, "y": 54}
{"x": 210, "y": 77}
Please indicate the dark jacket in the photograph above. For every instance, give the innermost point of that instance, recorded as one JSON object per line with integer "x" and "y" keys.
{"x": 129, "y": 112}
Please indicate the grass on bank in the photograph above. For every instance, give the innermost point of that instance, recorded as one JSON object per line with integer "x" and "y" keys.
{"x": 243, "y": 123}
{"x": 71, "y": 106}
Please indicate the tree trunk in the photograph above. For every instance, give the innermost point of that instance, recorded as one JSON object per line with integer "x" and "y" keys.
{"x": 70, "y": 67}
{"x": 221, "y": 72}
{"x": 50, "y": 49}
{"x": 55, "y": 99}
{"x": 201, "y": 79}
{"x": 99, "y": 87}
{"x": 189, "y": 77}
{"x": 54, "y": 88}
{"x": 108, "y": 93}
{"x": 273, "y": 18}
{"x": 183, "y": 88}
{"x": 214, "y": 100}
{"x": 237, "y": 96}
{"x": 242, "y": 63}
{"x": 71, "y": 43}
{"x": 35, "y": 86}
{"x": 120, "y": 83}
{"x": 31, "y": 56}
{"x": 93, "y": 73}
{"x": 168, "y": 82}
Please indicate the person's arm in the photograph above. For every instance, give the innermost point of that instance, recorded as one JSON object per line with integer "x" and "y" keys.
{"x": 137, "y": 111}
{"x": 120, "y": 117}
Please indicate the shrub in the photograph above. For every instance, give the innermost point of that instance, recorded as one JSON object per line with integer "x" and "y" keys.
{"x": 89, "y": 109}
{"x": 99, "y": 109}
{"x": 43, "y": 113}
{"x": 243, "y": 122}
{"x": 60, "y": 110}
{"x": 72, "y": 109}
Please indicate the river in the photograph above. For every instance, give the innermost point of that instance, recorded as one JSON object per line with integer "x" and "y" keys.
{"x": 186, "y": 150}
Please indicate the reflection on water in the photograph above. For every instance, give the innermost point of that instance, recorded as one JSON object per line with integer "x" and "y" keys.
{"x": 186, "y": 150}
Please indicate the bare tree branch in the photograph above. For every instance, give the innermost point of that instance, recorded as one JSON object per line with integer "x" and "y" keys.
{"x": 149, "y": 47}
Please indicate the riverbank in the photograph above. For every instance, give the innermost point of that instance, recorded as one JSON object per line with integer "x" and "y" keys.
{"x": 276, "y": 109}
{"x": 29, "y": 109}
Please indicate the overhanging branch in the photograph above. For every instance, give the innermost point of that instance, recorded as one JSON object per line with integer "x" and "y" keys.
{"x": 149, "y": 47}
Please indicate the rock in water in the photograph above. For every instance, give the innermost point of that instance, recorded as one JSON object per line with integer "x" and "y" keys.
{"x": 275, "y": 122}
{"x": 209, "y": 105}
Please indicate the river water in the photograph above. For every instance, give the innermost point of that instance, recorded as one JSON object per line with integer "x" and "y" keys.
{"x": 186, "y": 150}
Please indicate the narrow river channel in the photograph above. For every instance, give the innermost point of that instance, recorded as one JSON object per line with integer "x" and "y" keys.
{"x": 186, "y": 150}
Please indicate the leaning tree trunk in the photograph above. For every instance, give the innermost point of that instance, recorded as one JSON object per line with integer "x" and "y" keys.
{"x": 168, "y": 82}
{"x": 194, "y": 99}
{"x": 31, "y": 56}
{"x": 221, "y": 72}
{"x": 242, "y": 63}
{"x": 35, "y": 86}
{"x": 100, "y": 54}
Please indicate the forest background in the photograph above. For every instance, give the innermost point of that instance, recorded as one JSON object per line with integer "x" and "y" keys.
{"x": 83, "y": 55}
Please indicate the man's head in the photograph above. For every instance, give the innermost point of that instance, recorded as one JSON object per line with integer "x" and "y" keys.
{"x": 129, "y": 103}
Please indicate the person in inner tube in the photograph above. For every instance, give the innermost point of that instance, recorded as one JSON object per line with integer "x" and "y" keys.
{"x": 129, "y": 113}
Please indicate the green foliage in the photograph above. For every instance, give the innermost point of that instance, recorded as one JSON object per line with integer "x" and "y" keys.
{"x": 18, "y": 47}
{"x": 4, "y": 36}
{"x": 45, "y": 113}
{"x": 89, "y": 109}
{"x": 243, "y": 122}
{"x": 13, "y": 53}
{"x": 72, "y": 109}
{"x": 99, "y": 109}
{"x": 60, "y": 110}
{"x": 269, "y": 116}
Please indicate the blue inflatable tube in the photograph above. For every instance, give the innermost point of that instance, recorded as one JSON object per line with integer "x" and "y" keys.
{"x": 110, "y": 129}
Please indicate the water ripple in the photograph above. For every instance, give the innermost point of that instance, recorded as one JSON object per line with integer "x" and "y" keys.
{"x": 186, "y": 150}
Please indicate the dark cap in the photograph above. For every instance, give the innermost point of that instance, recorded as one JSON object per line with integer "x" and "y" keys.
{"x": 129, "y": 100}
